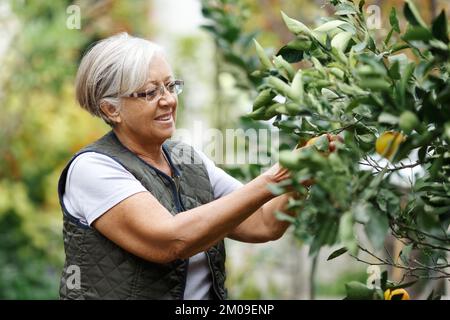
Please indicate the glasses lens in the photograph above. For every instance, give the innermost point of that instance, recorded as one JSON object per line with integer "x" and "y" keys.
{"x": 151, "y": 94}
{"x": 178, "y": 86}
{"x": 175, "y": 87}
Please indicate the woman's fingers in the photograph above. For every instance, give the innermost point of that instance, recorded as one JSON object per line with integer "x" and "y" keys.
{"x": 334, "y": 137}
{"x": 332, "y": 147}
{"x": 278, "y": 173}
{"x": 308, "y": 182}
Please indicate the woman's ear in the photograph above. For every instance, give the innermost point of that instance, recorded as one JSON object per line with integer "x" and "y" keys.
{"x": 111, "y": 112}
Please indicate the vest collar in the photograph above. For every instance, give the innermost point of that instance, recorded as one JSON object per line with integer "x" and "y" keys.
{"x": 175, "y": 169}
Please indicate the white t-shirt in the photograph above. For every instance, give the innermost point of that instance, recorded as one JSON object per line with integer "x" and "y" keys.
{"x": 95, "y": 183}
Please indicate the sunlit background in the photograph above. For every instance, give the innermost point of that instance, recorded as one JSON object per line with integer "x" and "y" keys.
{"x": 41, "y": 126}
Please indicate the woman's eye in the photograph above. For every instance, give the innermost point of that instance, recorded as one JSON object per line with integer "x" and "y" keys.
{"x": 171, "y": 86}
{"x": 152, "y": 93}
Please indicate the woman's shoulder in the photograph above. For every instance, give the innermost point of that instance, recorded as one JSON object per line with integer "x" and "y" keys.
{"x": 91, "y": 165}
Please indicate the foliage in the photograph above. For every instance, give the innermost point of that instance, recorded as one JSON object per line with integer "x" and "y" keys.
{"x": 360, "y": 89}
{"x": 352, "y": 84}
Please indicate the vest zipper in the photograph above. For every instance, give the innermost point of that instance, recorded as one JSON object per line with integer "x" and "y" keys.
{"x": 176, "y": 180}
{"x": 174, "y": 186}
{"x": 214, "y": 284}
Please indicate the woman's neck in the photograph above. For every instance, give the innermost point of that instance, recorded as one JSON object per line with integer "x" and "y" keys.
{"x": 151, "y": 153}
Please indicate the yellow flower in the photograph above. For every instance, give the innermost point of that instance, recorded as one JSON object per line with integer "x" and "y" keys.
{"x": 388, "y": 294}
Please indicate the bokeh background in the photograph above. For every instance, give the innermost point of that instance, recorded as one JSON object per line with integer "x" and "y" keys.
{"x": 41, "y": 126}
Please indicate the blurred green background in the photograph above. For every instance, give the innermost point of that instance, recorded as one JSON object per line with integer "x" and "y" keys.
{"x": 41, "y": 126}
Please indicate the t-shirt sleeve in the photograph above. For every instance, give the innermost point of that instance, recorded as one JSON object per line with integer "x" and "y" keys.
{"x": 96, "y": 183}
{"x": 221, "y": 182}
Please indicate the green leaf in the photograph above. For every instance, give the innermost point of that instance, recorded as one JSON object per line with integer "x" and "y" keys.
{"x": 265, "y": 62}
{"x": 279, "y": 85}
{"x": 290, "y": 55}
{"x": 361, "y": 6}
{"x": 377, "y": 84}
{"x": 422, "y": 153}
{"x": 359, "y": 291}
{"x": 388, "y": 37}
{"x": 289, "y": 159}
{"x": 301, "y": 43}
{"x": 326, "y": 235}
{"x": 318, "y": 66}
{"x": 257, "y": 114}
{"x": 406, "y": 75}
{"x": 337, "y": 253}
{"x": 388, "y": 201}
{"x": 394, "y": 71}
{"x": 405, "y": 252}
{"x": 447, "y": 130}
{"x": 388, "y": 118}
{"x": 346, "y": 233}
{"x": 272, "y": 111}
{"x": 337, "y": 72}
{"x": 275, "y": 189}
{"x": 345, "y": 9}
{"x": 264, "y": 98}
{"x": 285, "y": 217}
{"x": 383, "y": 280}
{"x": 297, "y": 90}
{"x": 368, "y": 138}
{"x": 328, "y": 94}
{"x": 440, "y": 27}
{"x": 284, "y": 67}
{"x": 234, "y": 59}
{"x": 417, "y": 34}
{"x": 340, "y": 41}
{"x": 372, "y": 189}
{"x": 377, "y": 227}
{"x": 362, "y": 45}
{"x": 360, "y": 211}
{"x": 295, "y": 26}
{"x": 294, "y": 108}
{"x": 329, "y": 26}
{"x": 412, "y": 14}
{"x": 394, "y": 21}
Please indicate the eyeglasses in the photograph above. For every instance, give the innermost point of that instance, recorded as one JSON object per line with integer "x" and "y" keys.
{"x": 153, "y": 94}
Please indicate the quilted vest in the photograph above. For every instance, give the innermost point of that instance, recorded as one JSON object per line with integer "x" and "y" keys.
{"x": 105, "y": 270}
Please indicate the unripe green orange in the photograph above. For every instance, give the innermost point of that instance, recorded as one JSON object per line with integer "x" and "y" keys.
{"x": 408, "y": 121}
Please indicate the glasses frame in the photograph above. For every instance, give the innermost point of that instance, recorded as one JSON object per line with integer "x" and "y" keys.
{"x": 160, "y": 91}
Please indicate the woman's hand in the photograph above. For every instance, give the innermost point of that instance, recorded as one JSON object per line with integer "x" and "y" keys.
{"x": 332, "y": 139}
{"x": 278, "y": 173}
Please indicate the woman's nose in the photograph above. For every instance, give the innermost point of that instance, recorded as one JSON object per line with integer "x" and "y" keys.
{"x": 167, "y": 98}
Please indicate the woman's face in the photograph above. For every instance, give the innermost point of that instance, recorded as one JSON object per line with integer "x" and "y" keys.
{"x": 151, "y": 120}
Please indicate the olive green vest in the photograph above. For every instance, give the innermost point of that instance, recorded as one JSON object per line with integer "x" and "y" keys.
{"x": 106, "y": 271}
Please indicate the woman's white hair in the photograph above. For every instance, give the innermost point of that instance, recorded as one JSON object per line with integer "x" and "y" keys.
{"x": 114, "y": 67}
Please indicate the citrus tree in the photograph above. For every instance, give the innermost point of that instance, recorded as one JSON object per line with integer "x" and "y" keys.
{"x": 389, "y": 99}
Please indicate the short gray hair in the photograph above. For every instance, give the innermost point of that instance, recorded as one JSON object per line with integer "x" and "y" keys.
{"x": 114, "y": 67}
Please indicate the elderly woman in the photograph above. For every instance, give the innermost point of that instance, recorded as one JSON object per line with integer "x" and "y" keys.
{"x": 145, "y": 217}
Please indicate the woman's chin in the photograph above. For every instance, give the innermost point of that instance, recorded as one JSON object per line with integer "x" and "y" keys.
{"x": 167, "y": 133}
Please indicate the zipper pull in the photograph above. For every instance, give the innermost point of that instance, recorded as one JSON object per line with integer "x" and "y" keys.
{"x": 176, "y": 179}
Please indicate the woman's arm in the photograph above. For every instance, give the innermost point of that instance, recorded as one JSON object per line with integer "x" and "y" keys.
{"x": 142, "y": 226}
{"x": 263, "y": 226}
